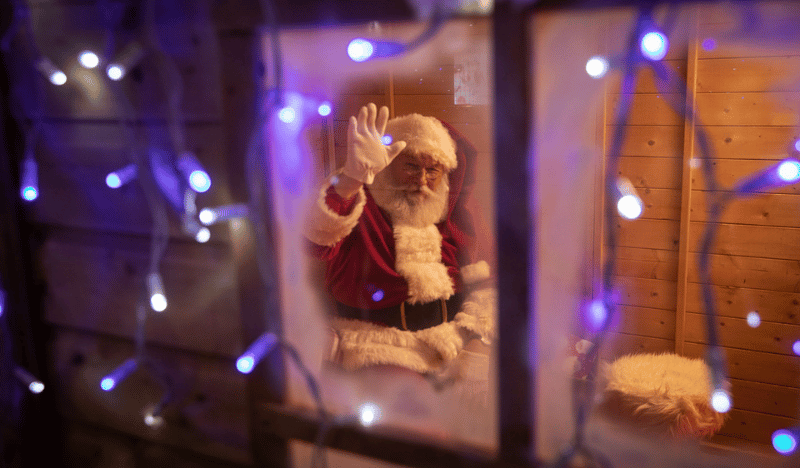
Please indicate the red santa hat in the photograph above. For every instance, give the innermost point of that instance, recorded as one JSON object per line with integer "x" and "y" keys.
{"x": 424, "y": 135}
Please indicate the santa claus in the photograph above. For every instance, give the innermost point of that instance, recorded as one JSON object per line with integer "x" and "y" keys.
{"x": 393, "y": 228}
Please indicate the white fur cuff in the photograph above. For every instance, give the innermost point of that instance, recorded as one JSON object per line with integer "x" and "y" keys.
{"x": 326, "y": 227}
{"x": 475, "y": 272}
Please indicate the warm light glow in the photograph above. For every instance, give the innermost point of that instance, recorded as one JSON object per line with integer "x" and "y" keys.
{"x": 753, "y": 319}
{"x": 654, "y": 45}
{"x": 360, "y": 50}
{"x": 784, "y": 441}
{"x": 629, "y": 206}
{"x": 256, "y": 352}
{"x": 152, "y": 419}
{"x": 89, "y": 59}
{"x": 721, "y": 401}
{"x": 368, "y": 414}
{"x": 324, "y": 109}
{"x": 597, "y": 67}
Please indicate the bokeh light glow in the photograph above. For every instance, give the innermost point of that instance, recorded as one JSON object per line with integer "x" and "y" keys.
{"x": 368, "y": 414}
{"x": 200, "y": 181}
{"x": 784, "y": 441}
{"x": 287, "y": 115}
{"x": 377, "y": 295}
{"x": 36, "y": 387}
{"x": 108, "y": 384}
{"x": 158, "y": 302}
{"x": 597, "y": 67}
{"x": 256, "y": 352}
{"x": 629, "y": 206}
{"x": 386, "y": 140}
{"x": 58, "y": 78}
{"x": 245, "y": 364}
{"x": 88, "y": 59}
{"x": 115, "y": 72}
{"x": 654, "y": 45}
{"x": 796, "y": 347}
{"x": 113, "y": 181}
{"x": 30, "y": 193}
{"x": 598, "y": 314}
{"x": 324, "y": 109}
{"x": 789, "y": 171}
{"x": 203, "y": 235}
{"x": 360, "y": 50}
{"x": 721, "y": 401}
{"x": 753, "y": 319}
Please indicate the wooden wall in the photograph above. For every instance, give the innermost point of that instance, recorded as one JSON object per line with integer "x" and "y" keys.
{"x": 96, "y": 242}
{"x": 743, "y": 82}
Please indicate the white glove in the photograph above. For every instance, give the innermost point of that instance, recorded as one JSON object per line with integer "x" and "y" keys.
{"x": 366, "y": 153}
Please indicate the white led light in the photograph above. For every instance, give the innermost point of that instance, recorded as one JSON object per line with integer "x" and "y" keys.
{"x": 287, "y": 115}
{"x": 721, "y": 401}
{"x": 368, "y": 414}
{"x": 203, "y": 235}
{"x": 115, "y": 71}
{"x": 654, "y": 45}
{"x": 50, "y": 71}
{"x": 360, "y": 50}
{"x": 155, "y": 287}
{"x": 753, "y": 319}
{"x": 34, "y": 385}
{"x": 195, "y": 175}
{"x": 324, "y": 109}
{"x": 128, "y": 58}
{"x": 597, "y": 67}
{"x": 153, "y": 419}
{"x": 789, "y": 171}
{"x": 629, "y": 207}
{"x": 89, "y": 59}
{"x": 209, "y": 216}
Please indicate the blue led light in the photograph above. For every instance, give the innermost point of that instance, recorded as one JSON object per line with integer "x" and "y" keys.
{"x": 360, "y": 50}
{"x": 784, "y": 441}
{"x": 598, "y": 314}
{"x": 325, "y": 109}
{"x": 245, "y": 364}
{"x": 377, "y": 295}
{"x": 796, "y": 347}
{"x": 107, "y": 384}
{"x": 709, "y": 44}
{"x": 113, "y": 181}
{"x": 654, "y": 45}
{"x": 386, "y": 140}
{"x": 199, "y": 181}
{"x": 287, "y": 115}
{"x": 30, "y": 193}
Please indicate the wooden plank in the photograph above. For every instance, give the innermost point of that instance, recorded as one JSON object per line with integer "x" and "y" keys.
{"x": 764, "y": 398}
{"x": 753, "y": 272}
{"x": 756, "y": 427}
{"x": 660, "y": 203}
{"x": 651, "y": 172}
{"x": 62, "y": 31}
{"x": 648, "y": 109}
{"x": 650, "y": 140}
{"x": 646, "y": 79}
{"x": 769, "y": 368}
{"x": 647, "y": 263}
{"x": 761, "y": 108}
{"x": 74, "y": 159}
{"x": 768, "y": 337}
{"x": 769, "y": 209}
{"x": 751, "y": 142}
{"x": 442, "y": 107}
{"x": 646, "y": 321}
{"x": 772, "y": 306}
{"x": 658, "y": 294}
{"x": 752, "y": 241}
{"x": 746, "y": 74}
{"x": 728, "y": 172}
{"x": 95, "y": 283}
{"x": 348, "y": 105}
{"x": 207, "y": 412}
{"x": 660, "y": 234}
{"x": 621, "y": 344}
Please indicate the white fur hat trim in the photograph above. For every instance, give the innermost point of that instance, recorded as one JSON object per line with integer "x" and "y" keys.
{"x": 426, "y": 135}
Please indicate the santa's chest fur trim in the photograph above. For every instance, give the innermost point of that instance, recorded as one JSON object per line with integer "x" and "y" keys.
{"x": 419, "y": 262}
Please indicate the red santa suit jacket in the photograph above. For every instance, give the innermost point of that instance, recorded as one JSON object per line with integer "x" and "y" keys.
{"x": 357, "y": 240}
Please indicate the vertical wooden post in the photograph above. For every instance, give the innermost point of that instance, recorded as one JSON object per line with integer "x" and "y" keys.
{"x": 515, "y": 234}
{"x": 686, "y": 188}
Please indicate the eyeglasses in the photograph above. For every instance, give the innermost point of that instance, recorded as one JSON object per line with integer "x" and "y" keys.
{"x": 414, "y": 170}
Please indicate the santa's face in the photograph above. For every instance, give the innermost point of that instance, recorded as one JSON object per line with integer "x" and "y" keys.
{"x": 412, "y": 172}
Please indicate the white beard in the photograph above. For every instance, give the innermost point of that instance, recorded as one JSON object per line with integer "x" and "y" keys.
{"x": 412, "y": 209}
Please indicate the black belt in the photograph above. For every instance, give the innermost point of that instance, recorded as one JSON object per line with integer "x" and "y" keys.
{"x": 406, "y": 316}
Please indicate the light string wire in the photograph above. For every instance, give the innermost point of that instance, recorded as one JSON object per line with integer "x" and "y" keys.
{"x": 159, "y": 232}
{"x": 258, "y": 169}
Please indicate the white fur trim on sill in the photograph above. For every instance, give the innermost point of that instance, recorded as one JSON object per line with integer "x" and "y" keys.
{"x": 326, "y": 227}
{"x": 419, "y": 261}
{"x": 475, "y": 272}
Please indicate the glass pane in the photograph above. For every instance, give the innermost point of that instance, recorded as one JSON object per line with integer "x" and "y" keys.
{"x": 387, "y": 252}
{"x": 686, "y": 112}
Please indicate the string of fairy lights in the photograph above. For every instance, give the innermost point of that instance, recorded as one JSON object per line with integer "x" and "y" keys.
{"x": 176, "y": 176}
